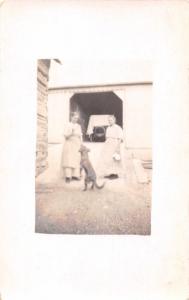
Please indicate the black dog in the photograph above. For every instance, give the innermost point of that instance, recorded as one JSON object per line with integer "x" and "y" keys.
{"x": 90, "y": 175}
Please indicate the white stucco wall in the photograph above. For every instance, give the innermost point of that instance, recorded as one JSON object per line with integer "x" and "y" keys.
{"x": 58, "y": 115}
{"x": 138, "y": 116}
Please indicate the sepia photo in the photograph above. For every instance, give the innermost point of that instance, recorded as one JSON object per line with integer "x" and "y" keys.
{"x": 93, "y": 148}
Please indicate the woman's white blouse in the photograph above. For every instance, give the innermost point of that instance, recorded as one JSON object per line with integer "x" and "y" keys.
{"x": 114, "y": 131}
{"x": 72, "y": 128}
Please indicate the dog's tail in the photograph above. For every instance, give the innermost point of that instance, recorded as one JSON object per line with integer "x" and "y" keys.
{"x": 99, "y": 186}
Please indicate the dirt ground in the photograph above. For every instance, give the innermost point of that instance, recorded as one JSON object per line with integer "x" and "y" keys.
{"x": 123, "y": 206}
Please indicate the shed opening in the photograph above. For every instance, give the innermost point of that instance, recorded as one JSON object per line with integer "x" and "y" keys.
{"x": 94, "y": 109}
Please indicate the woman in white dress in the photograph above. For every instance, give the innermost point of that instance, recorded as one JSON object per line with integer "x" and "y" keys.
{"x": 70, "y": 155}
{"x": 111, "y": 163}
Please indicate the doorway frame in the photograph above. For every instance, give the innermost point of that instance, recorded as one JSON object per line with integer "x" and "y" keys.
{"x": 119, "y": 89}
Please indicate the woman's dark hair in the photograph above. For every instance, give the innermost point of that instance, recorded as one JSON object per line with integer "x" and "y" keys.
{"x": 75, "y": 113}
{"x": 113, "y": 117}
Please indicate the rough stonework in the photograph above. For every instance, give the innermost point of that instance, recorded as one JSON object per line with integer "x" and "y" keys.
{"x": 42, "y": 120}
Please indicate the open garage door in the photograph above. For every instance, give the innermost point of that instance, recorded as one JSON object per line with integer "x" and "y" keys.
{"x": 101, "y": 104}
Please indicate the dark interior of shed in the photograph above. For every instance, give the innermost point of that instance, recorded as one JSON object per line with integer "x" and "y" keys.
{"x": 102, "y": 103}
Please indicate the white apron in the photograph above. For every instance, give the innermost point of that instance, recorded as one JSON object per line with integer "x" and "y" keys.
{"x": 70, "y": 155}
{"x": 107, "y": 164}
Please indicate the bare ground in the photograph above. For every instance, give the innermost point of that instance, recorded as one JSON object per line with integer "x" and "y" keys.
{"x": 122, "y": 207}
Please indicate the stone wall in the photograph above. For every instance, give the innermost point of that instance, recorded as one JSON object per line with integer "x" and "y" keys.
{"x": 42, "y": 119}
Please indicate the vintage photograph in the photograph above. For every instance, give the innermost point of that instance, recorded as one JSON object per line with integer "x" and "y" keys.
{"x": 93, "y": 147}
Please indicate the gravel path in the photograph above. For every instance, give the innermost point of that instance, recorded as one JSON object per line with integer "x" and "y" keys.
{"x": 122, "y": 207}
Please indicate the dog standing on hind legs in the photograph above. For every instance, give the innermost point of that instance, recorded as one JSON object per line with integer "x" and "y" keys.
{"x": 90, "y": 174}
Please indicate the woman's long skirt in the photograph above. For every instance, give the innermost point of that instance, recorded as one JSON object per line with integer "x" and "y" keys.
{"x": 107, "y": 164}
{"x": 71, "y": 157}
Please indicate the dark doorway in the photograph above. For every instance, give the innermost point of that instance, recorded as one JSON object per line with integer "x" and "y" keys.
{"x": 89, "y": 104}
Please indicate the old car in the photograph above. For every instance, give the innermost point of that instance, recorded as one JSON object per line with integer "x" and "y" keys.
{"x": 97, "y": 125}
